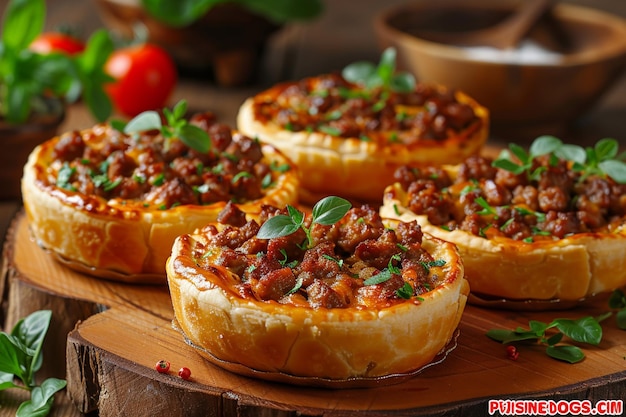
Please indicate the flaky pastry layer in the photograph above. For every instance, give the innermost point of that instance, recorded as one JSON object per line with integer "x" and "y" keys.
{"x": 568, "y": 269}
{"x": 334, "y": 344}
{"x": 131, "y": 240}
{"x": 355, "y": 168}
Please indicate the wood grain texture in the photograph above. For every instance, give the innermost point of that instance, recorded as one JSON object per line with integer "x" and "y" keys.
{"x": 110, "y": 356}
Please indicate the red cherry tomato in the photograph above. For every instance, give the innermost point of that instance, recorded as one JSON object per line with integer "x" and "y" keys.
{"x": 145, "y": 76}
{"x": 184, "y": 373}
{"x": 162, "y": 366}
{"x": 48, "y": 42}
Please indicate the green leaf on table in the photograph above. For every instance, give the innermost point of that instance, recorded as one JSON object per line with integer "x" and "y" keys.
{"x": 30, "y": 332}
{"x": 12, "y": 356}
{"x": 567, "y": 353}
{"x": 621, "y": 319}
{"x": 617, "y": 299}
{"x": 41, "y": 399}
{"x": 508, "y": 336}
{"x": 586, "y": 329}
{"x": 6, "y": 381}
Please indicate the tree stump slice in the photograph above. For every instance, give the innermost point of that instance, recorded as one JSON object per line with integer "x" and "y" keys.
{"x": 112, "y": 335}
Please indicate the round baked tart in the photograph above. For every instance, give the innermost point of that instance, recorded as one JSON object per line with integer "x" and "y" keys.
{"x": 111, "y": 203}
{"x": 336, "y": 296}
{"x": 348, "y": 132}
{"x": 536, "y": 229}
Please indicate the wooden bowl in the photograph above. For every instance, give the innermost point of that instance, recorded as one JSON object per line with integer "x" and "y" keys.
{"x": 570, "y": 58}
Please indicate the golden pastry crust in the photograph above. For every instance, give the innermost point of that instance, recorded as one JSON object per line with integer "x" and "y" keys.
{"x": 566, "y": 270}
{"x": 308, "y": 343}
{"x": 122, "y": 239}
{"x": 357, "y": 168}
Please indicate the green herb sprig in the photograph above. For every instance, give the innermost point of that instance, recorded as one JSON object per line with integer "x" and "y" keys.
{"x": 176, "y": 126}
{"x": 583, "y": 330}
{"x": 327, "y": 211}
{"x": 617, "y": 301}
{"x": 543, "y": 145}
{"x": 602, "y": 159}
{"x": 383, "y": 75}
{"x": 21, "y": 357}
{"x": 26, "y": 77}
{"x": 184, "y": 12}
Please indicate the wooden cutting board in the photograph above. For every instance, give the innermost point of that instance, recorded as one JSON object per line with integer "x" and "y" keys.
{"x": 112, "y": 334}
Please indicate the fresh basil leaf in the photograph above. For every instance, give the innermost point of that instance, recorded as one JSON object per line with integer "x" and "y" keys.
{"x": 281, "y": 11}
{"x": 572, "y": 153}
{"x": 296, "y": 216}
{"x": 606, "y": 148}
{"x": 508, "y": 336}
{"x": 38, "y": 406}
{"x": 544, "y": 145}
{"x": 586, "y": 329}
{"x": 617, "y": 299}
{"x": 538, "y": 327}
{"x": 23, "y": 21}
{"x": 508, "y": 166}
{"x": 621, "y": 319}
{"x": 277, "y": 226}
{"x": 520, "y": 153}
{"x": 330, "y": 210}
{"x": 148, "y": 120}
{"x": 19, "y": 97}
{"x": 403, "y": 82}
{"x": 387, "y": 65}
{"x": 179, "y": 110}
{"x": 98, "y": 48}
{"x": 567, "y": 353}
{"x": 554, "y": 339}
{"x": 358, "y": 72}
{"x": 6, "y": 381}
{"x": 11, "y": 356}
{"x": 614, "y": 169}
{"x": 31, "y": 332}
{"x": 178, "y": 13}
{"x": 195, "y": 137}
{"x": 97, "y": 100}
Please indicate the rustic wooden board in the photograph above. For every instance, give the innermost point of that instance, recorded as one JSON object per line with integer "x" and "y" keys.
{"x": 114, "y": 333}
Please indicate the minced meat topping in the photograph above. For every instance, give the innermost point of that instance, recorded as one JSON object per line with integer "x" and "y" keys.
{"x": 354, "y": 262}
{"x": 332, "y": 105}
{"x": 489, "y": 202}
{"x": 161, "y": 172}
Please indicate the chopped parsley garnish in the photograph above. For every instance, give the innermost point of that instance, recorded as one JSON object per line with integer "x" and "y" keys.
{"x": 406, "y": 291}
{"x": 64, "y": 176}
{"x": 329, "y": 130}
{"x": 431, "y": 264}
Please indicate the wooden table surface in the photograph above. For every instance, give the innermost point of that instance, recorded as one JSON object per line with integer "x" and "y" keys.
{"x": 344, "y": 34}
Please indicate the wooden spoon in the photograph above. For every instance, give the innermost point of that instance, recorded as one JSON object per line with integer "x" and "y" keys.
{"x": 504, "y": 35}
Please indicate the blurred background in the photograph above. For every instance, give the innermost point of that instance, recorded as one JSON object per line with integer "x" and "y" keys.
{"x": 341, "y": 34}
